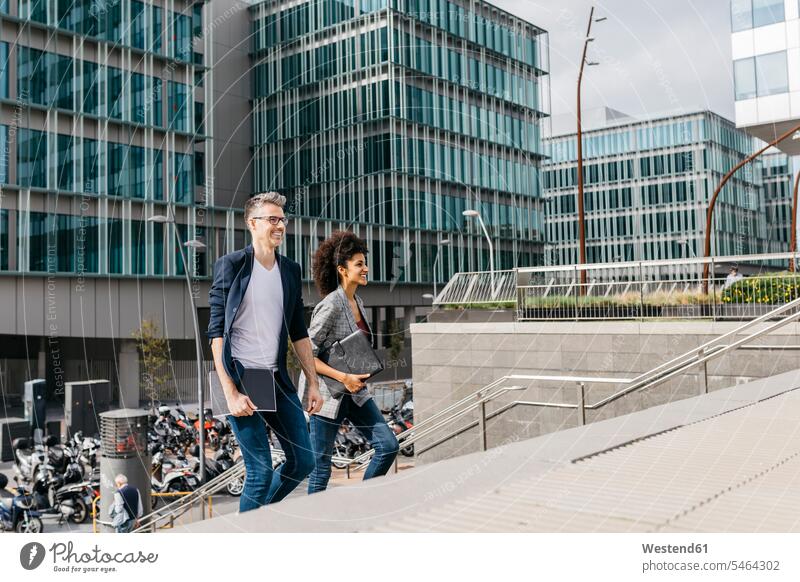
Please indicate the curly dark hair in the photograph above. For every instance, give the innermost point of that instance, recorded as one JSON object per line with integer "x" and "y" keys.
{"x": 334, "y": 252}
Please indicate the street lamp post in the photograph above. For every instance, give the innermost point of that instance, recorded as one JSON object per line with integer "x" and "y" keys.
{"x": 442, "y": 242}
{"x": 194, "y": 243}
{"x": 713, "y": 201}
{"x": 476, "y": 214}
{"x": 581, "y": 215}
{"x": 793, "y": 237}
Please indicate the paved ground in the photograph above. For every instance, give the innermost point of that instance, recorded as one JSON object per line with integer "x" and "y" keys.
{"x": 728, "y": 461}
{"x": 221, "y": 505}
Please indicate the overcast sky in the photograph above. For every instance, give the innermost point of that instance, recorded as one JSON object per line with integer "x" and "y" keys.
{"x": 655, "y": 55}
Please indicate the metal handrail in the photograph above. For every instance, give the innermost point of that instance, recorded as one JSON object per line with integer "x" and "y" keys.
{"x": 658, "y": 375}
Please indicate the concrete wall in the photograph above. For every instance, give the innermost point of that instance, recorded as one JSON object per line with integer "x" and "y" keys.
{"x": 452, "y": 360}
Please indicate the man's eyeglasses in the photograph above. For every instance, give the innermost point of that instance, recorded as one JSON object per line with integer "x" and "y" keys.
{"x": 273, "y": 220}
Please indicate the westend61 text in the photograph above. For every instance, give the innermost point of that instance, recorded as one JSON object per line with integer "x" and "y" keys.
{"x": 670, "y": 549}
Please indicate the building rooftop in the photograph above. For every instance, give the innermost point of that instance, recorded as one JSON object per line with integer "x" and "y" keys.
{"x": 727, "y": 461}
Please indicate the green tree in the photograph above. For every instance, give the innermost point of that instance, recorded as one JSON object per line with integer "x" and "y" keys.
{"x": 154, "y": 356}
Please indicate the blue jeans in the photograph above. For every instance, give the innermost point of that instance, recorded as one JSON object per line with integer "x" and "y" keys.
{"x": 263, "y": 485}
{"x": 369, "y": 420}
{"x": 126, "y": 527}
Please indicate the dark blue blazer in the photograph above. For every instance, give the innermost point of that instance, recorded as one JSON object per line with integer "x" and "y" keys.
{"x": 231, "y": 276}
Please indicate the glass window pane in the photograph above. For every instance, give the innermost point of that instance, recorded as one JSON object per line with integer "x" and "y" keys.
{"x": 771, "y": 74}
{"x": 744, "y": 79}
{"x": 767, "y": 12}
{"x": 741, "y": 15}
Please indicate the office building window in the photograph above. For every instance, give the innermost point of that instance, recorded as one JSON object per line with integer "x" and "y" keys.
{"x": 31, "y": 158}
{"x": 3, "y": 240}
{"x": 771, "y": 74}
{"x": 4, "y": 70}
{"x": 182, "y": 179}
{"x": 115, "y": 248}
{"x": 4, "y": 153}
{"x": 767, "y": 12}
{"x": 178, "y": 107}
{"x": 138, "y": 247}
{"x": 744, "y": 78}
{"x": 37, "y": 242}
{"x": 741, "y": 15}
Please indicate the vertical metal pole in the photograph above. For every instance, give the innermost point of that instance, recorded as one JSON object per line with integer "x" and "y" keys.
{"x": 704, "y": 373}
{"x": 482, "y": 422}
{"x": 582, "y": 387}
{"x": 581, "y": 217}
{"x": 395, "y": 464}
{"x": 713, "y": 292}
{"x": 199, "y": 356}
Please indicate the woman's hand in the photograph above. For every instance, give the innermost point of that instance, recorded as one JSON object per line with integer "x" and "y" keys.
{"x": 239, "y": 404}
{"x": 354, "y": 382}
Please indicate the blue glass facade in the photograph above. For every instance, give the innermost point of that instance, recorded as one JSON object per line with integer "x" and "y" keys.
{"x": 397, "y": 118}
{"x": 646, "y": 187}
{"x": 107, "y": 133}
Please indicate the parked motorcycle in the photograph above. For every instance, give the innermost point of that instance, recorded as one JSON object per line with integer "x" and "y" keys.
{"x": 349, "y": 444}
{"x": 221, "y": 462}
{"x": 17, "y": 513}
{"x": 400, "y": 421}
{"x": 171, "y": 477}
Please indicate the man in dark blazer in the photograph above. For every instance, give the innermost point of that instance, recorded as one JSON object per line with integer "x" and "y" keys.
{"x": 256, "y": 306}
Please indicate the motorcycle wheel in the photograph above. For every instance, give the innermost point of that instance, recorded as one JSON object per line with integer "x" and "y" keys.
{"x": 81, "y": 512}
{"x": 408, "y": 451}
{"x": 339, "y": 452}
{"x": 235, "y": 487}
{"x": 29, "y": 524}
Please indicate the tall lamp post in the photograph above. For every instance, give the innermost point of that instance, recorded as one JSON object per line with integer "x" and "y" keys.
{"x": 442, "y": 242}
{"x": 793, "y": 237}
{"x": 476, "y": 214}
{"x": 196, "y": 244}
{"x": 713, "y": 201}
{"x": 581, "y": 215}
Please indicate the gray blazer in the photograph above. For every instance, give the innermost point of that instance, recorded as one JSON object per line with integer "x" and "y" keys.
{"x": 332, "y": 320}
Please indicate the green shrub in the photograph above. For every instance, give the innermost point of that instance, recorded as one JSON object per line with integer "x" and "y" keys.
{"x": 773, "y": 290}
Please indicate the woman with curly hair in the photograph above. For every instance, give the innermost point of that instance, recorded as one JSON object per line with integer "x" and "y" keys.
{"x": 340, "y": 268}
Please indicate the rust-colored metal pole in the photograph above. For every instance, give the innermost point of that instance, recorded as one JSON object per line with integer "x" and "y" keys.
{"x": 713, "y": 201}
{"x": 581, "y": 217}
{"x": 793, "y": 237}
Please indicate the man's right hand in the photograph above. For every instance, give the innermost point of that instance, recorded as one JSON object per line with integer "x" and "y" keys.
{"x": 239, "y": 404}
{"x": 354, "y": 382}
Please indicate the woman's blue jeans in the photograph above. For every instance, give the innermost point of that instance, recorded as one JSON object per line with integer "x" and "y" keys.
{"x": 369, "y": 420}
{"x": 264, "y": 484}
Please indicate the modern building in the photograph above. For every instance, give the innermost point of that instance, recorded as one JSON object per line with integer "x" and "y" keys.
{"x": 778, "y": 175}
{"x": 646, "y": 187}
{"x": 765, "y": 47}
{"x": 387, "y": 118}
{"x": 392, "y": 117}
{"x": 104, "y": 124}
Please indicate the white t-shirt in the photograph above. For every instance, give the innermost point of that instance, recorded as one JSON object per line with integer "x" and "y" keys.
{"x": 256, "y": 329}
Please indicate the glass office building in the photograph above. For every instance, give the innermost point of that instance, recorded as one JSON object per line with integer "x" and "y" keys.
{"x": 646, "y": 187}
{"x": 392, "y": 117}
{"x": 779, "y": 172}
{"x": 102, "y": 126}
{"x": 765, "y": 53}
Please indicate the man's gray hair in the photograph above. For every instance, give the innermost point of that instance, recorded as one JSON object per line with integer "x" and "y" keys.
{"x": 121, "y": 479}
{"x": 260, "y": 199}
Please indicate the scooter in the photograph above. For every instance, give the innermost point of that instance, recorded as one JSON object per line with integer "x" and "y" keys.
{"x": 399, "y": 421}
{"x": 17, "y": 513}
{"x": 349, "y": 444}
{"x": 167, "y": 478}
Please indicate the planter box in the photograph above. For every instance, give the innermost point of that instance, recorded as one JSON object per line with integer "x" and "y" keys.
{"x": 471, "y": 315}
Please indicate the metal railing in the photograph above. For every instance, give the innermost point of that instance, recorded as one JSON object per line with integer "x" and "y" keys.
{"x": 696, "y": 357}
{"x": 668, "y": 289}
